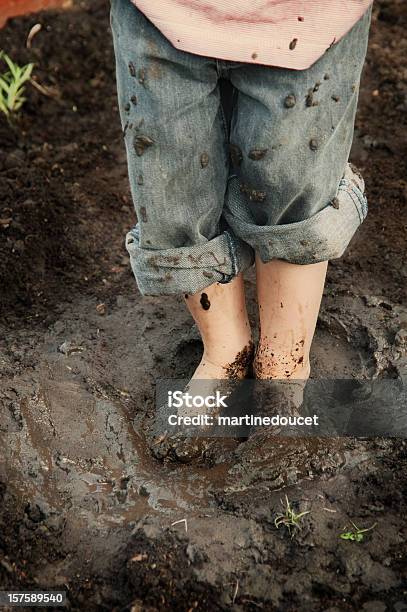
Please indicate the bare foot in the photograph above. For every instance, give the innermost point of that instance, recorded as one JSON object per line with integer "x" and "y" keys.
{"x": 183, "y": 448}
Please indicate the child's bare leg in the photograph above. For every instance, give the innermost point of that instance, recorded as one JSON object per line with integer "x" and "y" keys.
{"x": 221, "y": 317}
{"x": 289, "y": 298}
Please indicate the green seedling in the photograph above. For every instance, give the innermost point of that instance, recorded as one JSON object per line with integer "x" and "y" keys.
{"x": 290, "y": 519}
{"x": 12, "y": 85}
{"x": 356, "y": 534}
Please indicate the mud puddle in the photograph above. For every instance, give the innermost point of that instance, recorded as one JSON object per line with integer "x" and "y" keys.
{"x": 77, "y": 429}
{"x": 74, "y": 451}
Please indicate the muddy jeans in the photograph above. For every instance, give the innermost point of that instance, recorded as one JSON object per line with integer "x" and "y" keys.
{"x": 210, "y": 190}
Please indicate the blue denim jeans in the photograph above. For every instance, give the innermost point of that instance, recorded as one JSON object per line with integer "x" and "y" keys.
{"x": 215, "y": 178}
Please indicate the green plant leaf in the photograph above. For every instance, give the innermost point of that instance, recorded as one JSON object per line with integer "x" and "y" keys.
{"x": 12, "y": 66}
{"x": 3, "y": 107}
{"x": 27, "y": 71}
{"x": 3, "y": 84}
{"x": 12, "y": 85}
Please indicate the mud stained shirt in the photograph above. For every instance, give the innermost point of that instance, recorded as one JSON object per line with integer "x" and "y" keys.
{"x": 285, "y": 33}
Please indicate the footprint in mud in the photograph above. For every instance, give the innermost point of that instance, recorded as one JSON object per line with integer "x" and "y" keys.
{"x": 276, "y": 462}
{"x": 186, "y": 355}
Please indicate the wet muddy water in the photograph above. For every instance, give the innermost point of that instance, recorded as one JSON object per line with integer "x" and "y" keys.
{"x": 77, "y": 431}
{"x": 74, "y": 449}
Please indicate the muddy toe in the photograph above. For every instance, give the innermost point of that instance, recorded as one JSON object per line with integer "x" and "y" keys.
{"x": 182, "y": 449}
{"x": 178, "y": 447}
{"x": 161, "y": 446}
{"x": 190, "y": 449}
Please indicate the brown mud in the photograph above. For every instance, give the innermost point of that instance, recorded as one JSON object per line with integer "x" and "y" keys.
{"x": 83, "y": 506}
{"x": 204, "y": 301}
{"x": 241, "y": 366}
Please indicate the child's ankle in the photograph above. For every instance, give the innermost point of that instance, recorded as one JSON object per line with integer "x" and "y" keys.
{"x": 231, "y": 361}
{"x": 269, "y": 364}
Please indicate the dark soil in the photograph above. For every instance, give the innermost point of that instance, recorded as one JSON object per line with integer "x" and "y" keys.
{"x": 83, "y": 505}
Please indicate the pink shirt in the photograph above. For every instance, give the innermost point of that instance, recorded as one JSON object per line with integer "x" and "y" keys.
{"x": 286, "y": 33}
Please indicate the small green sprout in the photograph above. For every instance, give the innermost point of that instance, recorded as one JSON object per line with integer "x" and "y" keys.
{"x": 290, "y": 519}
{"x": 12, "y": 85}
{"x": 356, "y": 534}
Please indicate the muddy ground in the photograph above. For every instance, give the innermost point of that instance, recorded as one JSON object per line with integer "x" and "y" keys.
{"x": 83, "y": 506}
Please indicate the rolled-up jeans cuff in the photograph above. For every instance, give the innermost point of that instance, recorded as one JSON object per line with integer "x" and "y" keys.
{"x": 187, "y": 269}
{"x": 322, "y": 237}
